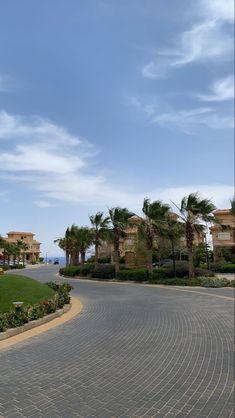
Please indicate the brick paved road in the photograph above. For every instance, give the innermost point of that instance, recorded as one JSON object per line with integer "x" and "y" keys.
{"x": 134, "y": 351}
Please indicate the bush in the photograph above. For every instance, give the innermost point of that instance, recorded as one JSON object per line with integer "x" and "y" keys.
{"x": 215, "y": 282}
{"x": 176, "y": 281}
{"x": 181, "y": 271}
{"x": 136, "y": 275}
{"x": 223, "y": 268}
{"x": 81, "y": 270}
{"x": 104, "y": 271}
{"x": 104, "y": 260}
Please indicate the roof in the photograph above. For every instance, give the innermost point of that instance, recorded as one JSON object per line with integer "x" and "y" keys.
{"x": 19, "y": 233}
{"x": 218, "y": 211}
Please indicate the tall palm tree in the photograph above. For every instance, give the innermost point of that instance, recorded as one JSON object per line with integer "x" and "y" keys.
{"x": 232, "y": 209}
{"x": 66, "y": 244}
{"x": 84, "y": 240}
{"x": 154, "y": 220}
{"x": 173, "y": 230}
{"x": 119, "y": 219}
{"x": 194, "y": 212}
{"x": 100, "y": 226}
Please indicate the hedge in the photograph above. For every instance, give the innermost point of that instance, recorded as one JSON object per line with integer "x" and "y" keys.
{"x": 223, "y": 268}
{"x": 137, "y": 275}
{"x": 16, "y": 318}
{"x": 102, "y": 271}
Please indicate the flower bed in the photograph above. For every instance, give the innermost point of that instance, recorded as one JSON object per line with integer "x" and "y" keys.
{"x": 17, "y": 318}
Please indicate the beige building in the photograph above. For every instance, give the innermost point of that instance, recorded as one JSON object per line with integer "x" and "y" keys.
{"x": 32, "y": 246}
{"x": 129, "y": 244}
{"x": 223, "y": 233}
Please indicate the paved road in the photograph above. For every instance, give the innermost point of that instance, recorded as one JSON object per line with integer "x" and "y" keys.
{"x": 134, "y": 351}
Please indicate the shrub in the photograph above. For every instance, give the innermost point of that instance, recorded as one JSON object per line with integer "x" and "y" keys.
{"x": 215, "y": 282}
{"x": 81, "y": 270}
{"x": 223, "y": 268}
{"x": 104, "y": 260}
{"x": 104, "y": 271}
{"x": 35, "y": 312}
{"x": 181, "y": 271}
{"x": 136, "y": 275}
{"x": 176, "y": 281}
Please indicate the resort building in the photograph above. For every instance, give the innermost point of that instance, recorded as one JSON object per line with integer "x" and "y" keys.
{"x": 32, "y": 247}
{"x": 129, "y": 248}
{"x": 223, "y": 233}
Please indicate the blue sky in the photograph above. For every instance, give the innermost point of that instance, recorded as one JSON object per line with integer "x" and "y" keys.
{"x": 105, "y": 102}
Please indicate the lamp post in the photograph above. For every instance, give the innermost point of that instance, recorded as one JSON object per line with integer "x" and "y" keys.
{"x": 46, "y": 258}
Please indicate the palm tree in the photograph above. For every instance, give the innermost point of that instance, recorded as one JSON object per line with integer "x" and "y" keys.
{"x": 194, "y": 212}
{"x": 119, "y": 221}
{"x": 66, "y": 244}
{"x": 232, "y": 209}
{"x": 154, "y": 220}
{"x": 100, "y": 226}
{"x": 173, "y": 230}
{"x": 84, "y": 239}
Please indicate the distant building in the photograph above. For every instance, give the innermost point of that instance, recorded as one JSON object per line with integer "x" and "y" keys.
{"x": 32, "y": 251}
{"x": 129, "y": 245}
{"x": 223, "y": 233}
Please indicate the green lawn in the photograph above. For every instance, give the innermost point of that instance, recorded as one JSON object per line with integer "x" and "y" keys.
{"x": 15, "y": 288}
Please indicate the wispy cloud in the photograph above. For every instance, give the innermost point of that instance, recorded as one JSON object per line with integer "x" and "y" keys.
{"x": 222, "y": 89}
{"x": 60, "y": 172}
{"x": 186, "y": 120}
{"x": 208, "y": 39}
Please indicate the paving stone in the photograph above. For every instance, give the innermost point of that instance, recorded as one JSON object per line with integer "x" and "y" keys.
{"x": 134, "y": 351}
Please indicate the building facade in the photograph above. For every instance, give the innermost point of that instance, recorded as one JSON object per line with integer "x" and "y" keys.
{"x": 223, "y": 233}
{"x": 31, "y": 252}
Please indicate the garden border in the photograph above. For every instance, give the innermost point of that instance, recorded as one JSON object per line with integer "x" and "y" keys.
{"x": 13, "y": 336}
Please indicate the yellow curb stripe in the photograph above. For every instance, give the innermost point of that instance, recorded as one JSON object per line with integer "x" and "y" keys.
{"x": 76, "y": 307}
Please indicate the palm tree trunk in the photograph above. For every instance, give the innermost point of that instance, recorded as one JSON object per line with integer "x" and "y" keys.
{"x": 96, "y": 254}
{"x": 150, "y": 260}
{"x": 83, "y": 256}
{"x": 116, "y": 255}
{"x": 189, "y": 242}
{"x": 67, "y": 258}
{"x": 173, "y": 255}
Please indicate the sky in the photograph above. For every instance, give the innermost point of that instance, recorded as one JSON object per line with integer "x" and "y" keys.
{"x": 106, "y": 102}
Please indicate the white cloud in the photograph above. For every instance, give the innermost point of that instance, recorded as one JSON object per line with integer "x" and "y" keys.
{"x": 207, "y": 40}
{"x": 222, "y": 89}
{"x": 60, "y": 172}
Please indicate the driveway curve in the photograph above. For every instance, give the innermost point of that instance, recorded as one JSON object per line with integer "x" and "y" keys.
{"x": 134, "y": 351}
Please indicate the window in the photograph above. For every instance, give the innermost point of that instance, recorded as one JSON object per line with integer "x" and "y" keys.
{"x": 224, "y": 236}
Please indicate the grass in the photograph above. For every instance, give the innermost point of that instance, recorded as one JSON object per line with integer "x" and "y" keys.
{"x": 15, "y": 288}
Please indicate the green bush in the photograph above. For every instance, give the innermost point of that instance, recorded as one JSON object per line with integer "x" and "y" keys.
{"x": 176, "y": 281}
{"x": 181, "y": 271}
{"x": 35, "y": 312}
{"x": 81, "y": 270}
{"x": 223, "y": 268}
{"x": 104, "y": 260}
{"x": 104, "y": 271}
{"x": 215, "y": 282}
{"x": 136, "y": 275}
